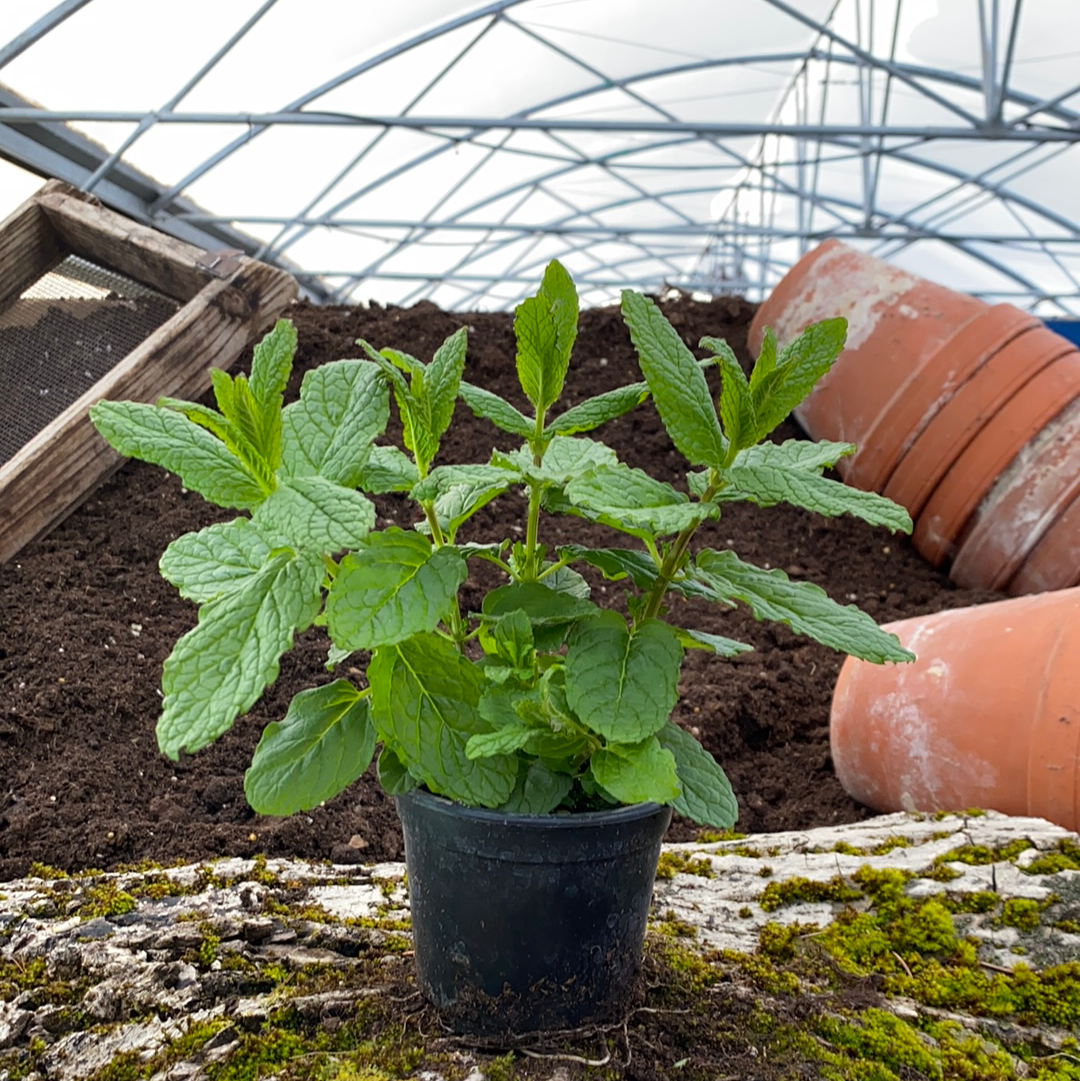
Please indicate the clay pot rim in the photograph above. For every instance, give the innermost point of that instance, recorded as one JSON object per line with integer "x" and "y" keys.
{"x": 919, "y": 399}
{"x": 989, "y": 453}
{"x": 949, "y": 433}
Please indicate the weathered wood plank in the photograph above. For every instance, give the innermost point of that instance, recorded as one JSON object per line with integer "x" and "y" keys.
{"x": 56, "y": 470}
{"x": 29, "y": 247}
{"x": 109, "y": 239}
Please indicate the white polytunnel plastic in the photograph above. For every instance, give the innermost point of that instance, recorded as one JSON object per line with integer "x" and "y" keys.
{"x": 442, "y": 150}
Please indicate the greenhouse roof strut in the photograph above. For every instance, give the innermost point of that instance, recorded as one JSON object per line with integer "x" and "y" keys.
{"x": 450, "y": 155}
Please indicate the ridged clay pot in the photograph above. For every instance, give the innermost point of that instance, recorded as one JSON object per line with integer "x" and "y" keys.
{"x": 897, "y": 323}
{"x": 977, "y": 468}
{"x": 1004, "y": 364}
{"x": 1026, "y": 500}
{"x": 1054, "y": 563}
{"x": 988, "y": 716}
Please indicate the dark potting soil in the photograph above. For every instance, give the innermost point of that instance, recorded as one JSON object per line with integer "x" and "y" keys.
{"x": 86, "y": 622}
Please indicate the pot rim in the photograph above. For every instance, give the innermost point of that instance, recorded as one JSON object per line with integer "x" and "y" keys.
{"x": 560, "y": 821}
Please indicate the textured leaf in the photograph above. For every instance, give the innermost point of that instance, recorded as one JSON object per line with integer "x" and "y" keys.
{"x": 270, "y": 368}
{"x": 630, "y": 497}
{"x": 622, "y": 684}
{"x": 313, "y": 512}
{"x": 567, "y": 580}
{"x": 387, "y": 469}
{"x": 565, "y": 458}
{"x": 676, "y": 382}
{"x": 393, "y": 587}
{"x": 502, "y": 741}
{"x": 736, "y": 405}
{"x": 802, "y": 606}
{"x": 499, "y": 411}
{"x": 220, "y": 668}
{"x": 442, "y": 379}
{"x": 799, "y": 365}
{"x": 538, "y": 791}
{"x": 795, "y": 454}
{"x": 597, "y": 410}
{"x": 446, "y": 477}
{"x": 271, "y": 364}
{"x": 636, "y": 773}
{"x": 545, "y": 327}
{"x": 767, "y": 486}
{"x": 615, "y": 563}
{"x": 324, "y": 743}
{"x": 715, "y": 643}
{"x": 394, "y": 778}
{"x": 166, "y": 438}
{"x": 343, "y": 406}
{"x": 719, "y": 348}
{"x": 543, "y": 606}
{"x": 425, "y": 696}
{"x": 706, "y": 796}
{"x": 217, "y": 559}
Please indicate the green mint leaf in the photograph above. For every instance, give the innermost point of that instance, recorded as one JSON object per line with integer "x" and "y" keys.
{"x": 597, "y": 410}
{"x": 802, "y": 606}
{"x": 459, "y": 504}
{"x": 636, "y": 773}
{"x": 166, "y": 438}
{"x": 343, "y": 406}
{"x": 795, "y": 454}
{"x": 630, "y": 498}
{"x": 392, "y": 588}
{"x": 314, "y": 512}
{"x": 767, "y": 486}
{"x": 615, "y": 563}
{"x": 736, "y": 405}
{"x": 719, "y": 348}
{"x": 512, "y": 636}
{"x": 567, "y": 580}
{"x": 270, "y": 368}
{"x": 215, "y": 560}
{"x": 414, "y": 405}
{"x": 676, "y": 382}
{"x": 706, "y": 796}
{"x": 798, "y": 366}
{"x": 335, "y": 656}
{"x": 714, "y": 643}
{"x": 545, "y": 327}
{"x": 565, "y": 458}
{"x": 425, "y": 696}
{"x": 622, "y": 684}
{"x": 539, "y": 790}
{"x": 387, "y": 469}
{"x": 502, "y": 741}
{"x": 543, "y": 606}
{"x": 219, "y": 669}
{"x": 443, "y": 379}
{"x": 395, "y": 779}
{"x": 500, "y": 412}
{"x": 324, "y": 743}
{"x": 271, "y": 364}
{"x": 444, "y": 478}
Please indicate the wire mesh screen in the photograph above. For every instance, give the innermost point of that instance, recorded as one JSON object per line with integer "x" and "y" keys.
{"x": 67, "y": 330}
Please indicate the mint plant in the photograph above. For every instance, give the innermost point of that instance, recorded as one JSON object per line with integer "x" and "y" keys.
{"x": 541, "y": 700}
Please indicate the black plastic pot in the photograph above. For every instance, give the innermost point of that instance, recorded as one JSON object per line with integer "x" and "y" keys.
{"x": 524, "y": 923}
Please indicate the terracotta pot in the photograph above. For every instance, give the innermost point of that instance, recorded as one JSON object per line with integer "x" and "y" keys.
{"x": 1026, "y": 500}
{"x": 897, "y": 323}
{"x": 982, "y": 461}
{"x": 938, "y": 735}
{"x": 1054, "y": 563}
{"x": 1002, "y": 369}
